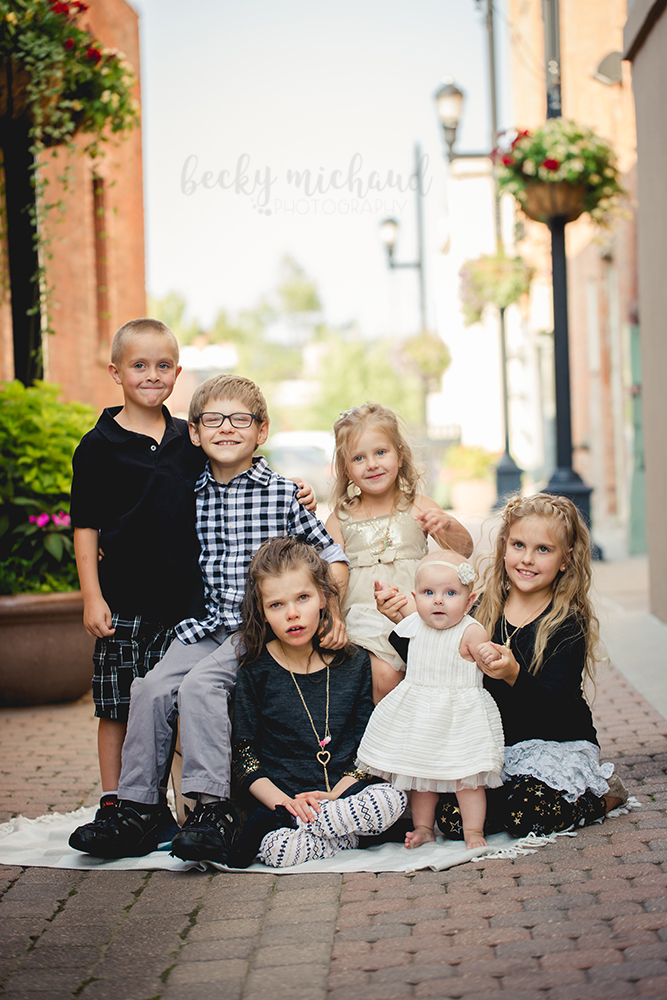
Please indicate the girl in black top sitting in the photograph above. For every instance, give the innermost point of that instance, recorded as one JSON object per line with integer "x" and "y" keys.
{"x": 299, "y": 714}
{"x": 535, "y": 603}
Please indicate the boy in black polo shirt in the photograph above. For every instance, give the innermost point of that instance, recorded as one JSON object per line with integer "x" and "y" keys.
{"x": 133, "y": 498}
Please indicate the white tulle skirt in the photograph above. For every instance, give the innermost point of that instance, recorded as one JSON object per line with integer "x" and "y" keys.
{"x": 573, "y": 767}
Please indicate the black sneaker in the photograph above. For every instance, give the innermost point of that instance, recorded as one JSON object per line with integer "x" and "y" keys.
{"x": 167, "y": 828}
{"x": 130, "y": 833}
{"x": 84, "y": 834}
{"x": 208, "y": 833}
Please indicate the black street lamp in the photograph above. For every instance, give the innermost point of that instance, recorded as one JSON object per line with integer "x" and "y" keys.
{"x": 564, "y": 480}
{"x": 389, "y": 236}
{"x": 449, "y": 104}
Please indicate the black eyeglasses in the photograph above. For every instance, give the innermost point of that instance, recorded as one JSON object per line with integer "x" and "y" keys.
{"x": 240, "y": 420}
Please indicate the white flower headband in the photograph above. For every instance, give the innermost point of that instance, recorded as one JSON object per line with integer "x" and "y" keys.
{"x": 464, "y": 570}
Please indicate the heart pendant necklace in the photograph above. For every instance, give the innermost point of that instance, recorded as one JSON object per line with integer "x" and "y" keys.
{"x": 323, "y": 756}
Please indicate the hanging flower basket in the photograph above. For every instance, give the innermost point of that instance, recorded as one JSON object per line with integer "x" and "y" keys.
{"x": 54, "y": 73}
{"x": 492, "y": 279}
{"x": 544, "y": 199}
{"x": 15, "y": 91}
{"x": 563, "y": 169}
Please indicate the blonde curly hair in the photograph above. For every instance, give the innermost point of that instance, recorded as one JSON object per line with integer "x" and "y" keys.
{"x": 570, "y": 588}
{"x": 349, "y": 426}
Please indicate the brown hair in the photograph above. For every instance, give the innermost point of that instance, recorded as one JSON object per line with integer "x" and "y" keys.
{"x": 229, "y": 387}
{"x": 275, "y": 557}
{"x": 570, "y": 589}
{"x": 347, "y": 429}
{"x": 136, "y": 328}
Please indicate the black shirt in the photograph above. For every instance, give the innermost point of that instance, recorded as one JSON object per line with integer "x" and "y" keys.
{"x": 272, "y": 736}
{"x": 140, "y": 496}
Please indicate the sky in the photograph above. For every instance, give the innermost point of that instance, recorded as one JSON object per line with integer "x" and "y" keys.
{"x": 240, "y": 99}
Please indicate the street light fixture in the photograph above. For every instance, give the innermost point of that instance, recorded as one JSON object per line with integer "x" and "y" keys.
{"x": 449, "y": 105}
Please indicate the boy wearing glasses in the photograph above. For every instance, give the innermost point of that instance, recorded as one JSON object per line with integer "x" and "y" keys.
{"x": 240, "y": 503}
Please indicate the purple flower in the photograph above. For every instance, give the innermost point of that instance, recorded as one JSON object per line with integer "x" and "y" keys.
{"x": 61, "y": 519}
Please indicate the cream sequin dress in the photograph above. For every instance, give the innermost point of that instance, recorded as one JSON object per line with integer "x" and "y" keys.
{"x": 439, "y": 730}
{"x": 386, "y": 548}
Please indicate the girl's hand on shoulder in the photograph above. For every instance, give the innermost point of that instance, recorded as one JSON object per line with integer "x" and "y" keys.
{"x": 447, "y": 531}
{"x": 497, "y": 661}
{"x": 433, "y": 520}
{"x": 337, "y": 637}
{"x": 306, "y": 495}
{"x": 390, "y": 602}
{"x": 304, "y": 806}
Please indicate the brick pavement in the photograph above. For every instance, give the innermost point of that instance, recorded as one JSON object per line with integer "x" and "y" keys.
{"x": 581, "y": 919}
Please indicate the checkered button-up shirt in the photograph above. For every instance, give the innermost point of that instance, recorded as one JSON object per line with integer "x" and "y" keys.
{"x": 233, "y": 520}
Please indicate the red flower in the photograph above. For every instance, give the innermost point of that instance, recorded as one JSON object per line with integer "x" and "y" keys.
{"x": 519, "y": 135}
{"x": 60, "y": 8}
{"x": 94, "y": 54}
{"x": 508, "y": 160}
{"x": 80, "y": 6}
{"x": 69, "y": 44}
{"x": 550, "y": 164}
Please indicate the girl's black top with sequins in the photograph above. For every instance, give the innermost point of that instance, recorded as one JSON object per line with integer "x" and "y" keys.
{"x": 272, "y": 736}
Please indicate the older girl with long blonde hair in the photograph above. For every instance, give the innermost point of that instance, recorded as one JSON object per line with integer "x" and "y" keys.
{"x": 536, "y": 605}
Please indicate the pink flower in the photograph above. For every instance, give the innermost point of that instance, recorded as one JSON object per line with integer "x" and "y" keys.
{"x": 41, "y": 520}
{"x": 61, "y": 519}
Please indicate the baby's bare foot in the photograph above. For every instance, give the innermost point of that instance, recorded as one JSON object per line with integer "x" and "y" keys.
{"x": 420, "y": 835}
{"x": 474, "y": 838}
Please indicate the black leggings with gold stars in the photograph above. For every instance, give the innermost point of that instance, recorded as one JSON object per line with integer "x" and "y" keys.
{"x": 522, "y": 805}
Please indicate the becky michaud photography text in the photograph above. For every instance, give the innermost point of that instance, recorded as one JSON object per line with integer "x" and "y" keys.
{"x": 301, "y": 191}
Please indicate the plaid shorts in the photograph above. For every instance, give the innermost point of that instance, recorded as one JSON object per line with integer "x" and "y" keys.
{"x": 134, "y": 648}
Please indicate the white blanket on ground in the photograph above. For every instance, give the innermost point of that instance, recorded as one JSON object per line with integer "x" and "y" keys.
{"x": 43, "y": 843}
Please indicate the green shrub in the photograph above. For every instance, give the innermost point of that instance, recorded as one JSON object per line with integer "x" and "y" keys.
{"x": 468, "y": 462}
{"x": 38, "y": 435}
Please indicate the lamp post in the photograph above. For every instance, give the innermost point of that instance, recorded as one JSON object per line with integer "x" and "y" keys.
{"x": 564, "y": 480}
{"x": 389, "y": 236}
{"x": 449, "y": 104}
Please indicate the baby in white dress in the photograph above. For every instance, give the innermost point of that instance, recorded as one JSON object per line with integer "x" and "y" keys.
{"x": 439, "y": 730}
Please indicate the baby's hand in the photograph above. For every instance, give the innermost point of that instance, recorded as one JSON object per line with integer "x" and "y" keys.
{"x": 488, "y": 651}
{"x": 497, "y": 661}
{"x": 389, "y": 602}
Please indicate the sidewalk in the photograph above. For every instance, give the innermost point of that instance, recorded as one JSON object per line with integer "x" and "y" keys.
{"x": 581, "y": 919}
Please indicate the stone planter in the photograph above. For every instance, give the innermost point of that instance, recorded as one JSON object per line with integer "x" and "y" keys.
{"x": 46, "y": 653}
{"x": 545, "y": 199}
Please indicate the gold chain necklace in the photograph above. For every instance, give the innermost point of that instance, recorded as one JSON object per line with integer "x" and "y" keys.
{"x": 323, "y": 756}
{"x": 507, "y": 636}
{"x": 385, "y": 541}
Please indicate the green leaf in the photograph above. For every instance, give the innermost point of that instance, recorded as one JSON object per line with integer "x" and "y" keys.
{"x": 53, "y": 543}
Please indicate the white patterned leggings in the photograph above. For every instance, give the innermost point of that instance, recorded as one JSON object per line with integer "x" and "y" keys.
{"x": 336, "y": 827}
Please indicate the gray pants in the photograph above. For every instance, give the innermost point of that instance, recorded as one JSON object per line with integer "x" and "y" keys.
{"x": 194, "y": 682}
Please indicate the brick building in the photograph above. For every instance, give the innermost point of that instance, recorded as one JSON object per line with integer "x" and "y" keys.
{"x": 97, "y": 268}
{"x": 602, "y": 268}
{"x": 645, "y": 44}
